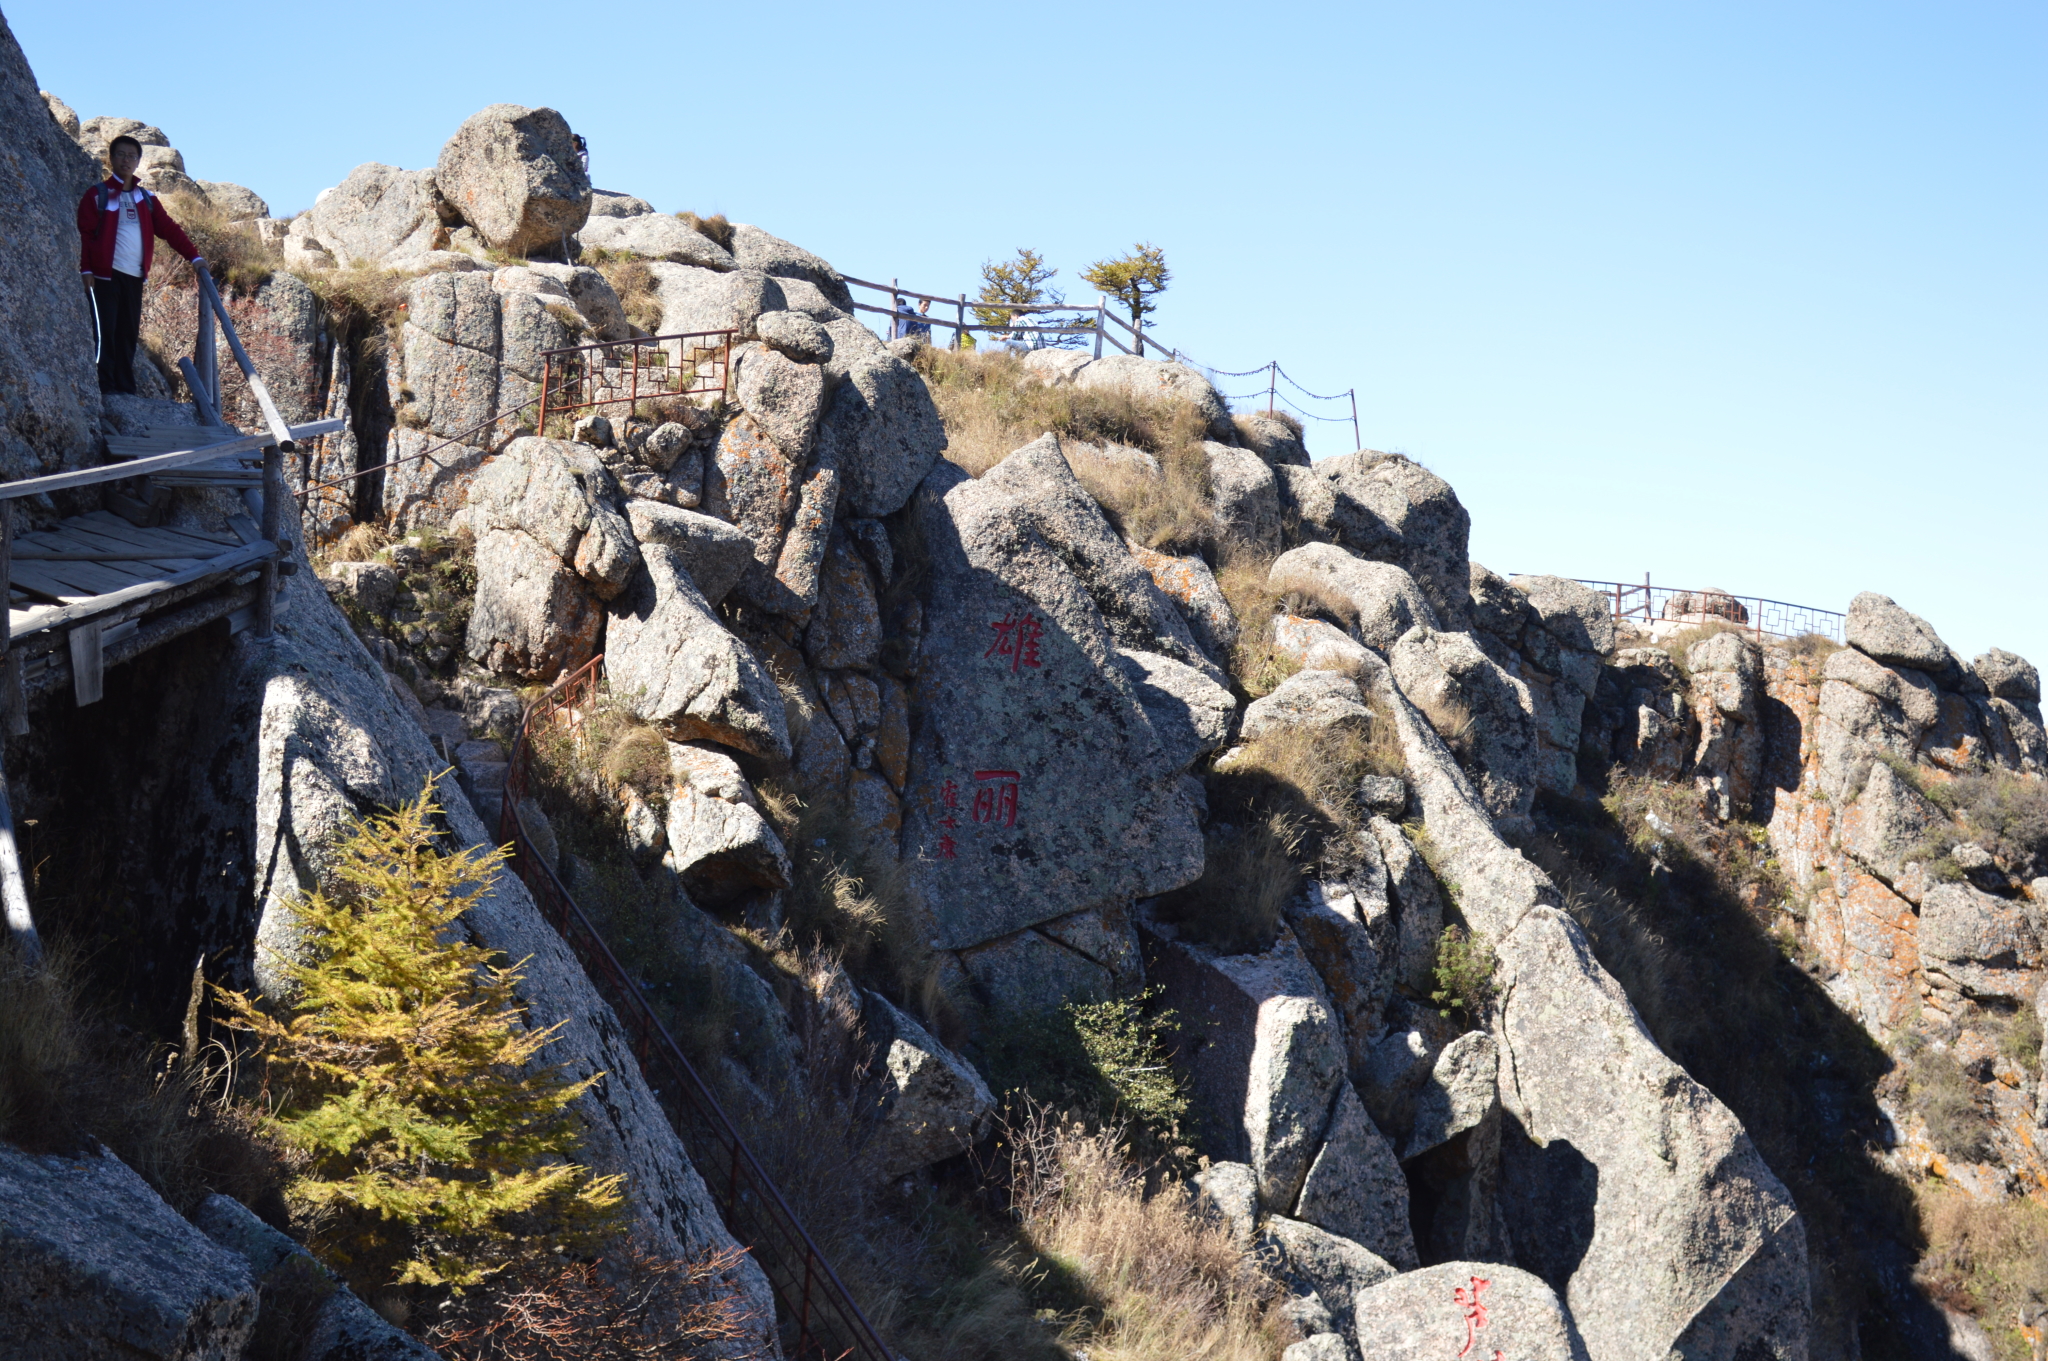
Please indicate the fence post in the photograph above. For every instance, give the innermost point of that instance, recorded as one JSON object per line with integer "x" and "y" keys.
{"x": 204, "y": 357}
{"x": 1272, "y": 384}
{"x": 960, "y": 330}
{"x": 895, "y": 306}
{"x": 1101, "y": 321}
{"x": 1357, "y": 440}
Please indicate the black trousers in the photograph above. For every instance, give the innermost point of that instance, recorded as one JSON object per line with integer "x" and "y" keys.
{"x": 119, "y": 303}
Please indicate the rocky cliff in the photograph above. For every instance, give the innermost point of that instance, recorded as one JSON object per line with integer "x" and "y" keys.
{"x": 903, "y": 755}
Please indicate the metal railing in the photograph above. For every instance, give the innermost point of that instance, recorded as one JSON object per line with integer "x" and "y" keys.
{"x": 1087, "y": 321}
{"x": 628, "y": 372}
{"x": 1642, "y": 603}
{"x": 815, "y": 1307}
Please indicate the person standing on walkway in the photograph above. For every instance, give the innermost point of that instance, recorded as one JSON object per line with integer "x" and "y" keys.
{"x": 118, "y": 223}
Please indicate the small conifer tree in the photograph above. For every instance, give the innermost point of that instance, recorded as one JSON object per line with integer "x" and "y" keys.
{"x": 404, "y": 1073}
{"x": 1018, "y": 282}
{"x": 1133, "y": 280}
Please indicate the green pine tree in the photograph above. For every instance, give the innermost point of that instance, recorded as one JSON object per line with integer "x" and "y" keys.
{"x": 1134, "y": 279}
{"x": 433, "y": 1143}
{"x": 1017, "y": 282}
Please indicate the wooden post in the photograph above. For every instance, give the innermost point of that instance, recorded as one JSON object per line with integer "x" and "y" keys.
{"x": 278, "y": 429}
{"x": 895, "y": 306}
{"x": 88, "y": 663}
{"x": 273, "y": 519}
{"x": 960, "y": 330}
{"x": 14, "y": 887}
{"x": 206, "y": 356}
{"x": 1357, "y": 440}
{"x": 1272, "y": 379}
{"x": 13, "y": 705}
{"x": 1101, "y": 321}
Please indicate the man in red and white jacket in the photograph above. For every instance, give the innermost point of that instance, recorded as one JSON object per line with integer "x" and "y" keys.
{"x": 118, "y": 223}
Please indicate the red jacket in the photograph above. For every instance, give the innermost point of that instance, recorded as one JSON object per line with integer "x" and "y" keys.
{"x": 98, "y": 229}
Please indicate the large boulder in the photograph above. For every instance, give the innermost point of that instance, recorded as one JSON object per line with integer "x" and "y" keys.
{"x": 1316, "y": 702}
{"x": 1385, "y": 507}
{"x": 49, "y": 386}
{"x": 718, "y": 842}
{"x": 753, "y": 248}
{"x": 695, "y": 299}
{"x": 516, "y": 175}
{"x": 1273, "y": 439}
{"x": 379, "y": 214}
{"x": 2006, "y": 675}
{"x": 1246, "y": 500}
{"x": 1041, "y": 779}
{"x": 930, "y": 1102}
{"x": 669, "y": 658}
{"x": 1727, "y": 691}
{"x": 94, "y": 1265}
{"x": 1977, "y": 945}
{"x": 1882, "y": 630}
{"x": 1379, "y": 600}
{"x": 1461, "y": 687}
{"x": 472, "y": 350}
{"x": 1191, "y": 586}
{"x": 1263, "y": 1050}
{"x": 1157, "y": 380}
{"x": 550, "y": 546}
{"x": 1337, "y": 1270}
{"x": 1481, "y": 1309}
{"x": 657, "y": 236}
{"x": 785, "y": 398}
{"x": 1347, "y": 935}
{"x": 884, "y": 433}
{"x": 712, "y": 552}
{"x": 1668, "y": 1166}
{"x": 1354, "y": 1187}
{"x": 340, "y": 1327}
{"x": 236, "y": 202}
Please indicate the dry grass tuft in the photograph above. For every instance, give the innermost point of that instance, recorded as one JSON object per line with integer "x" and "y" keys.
{"x": 236, "y": 254}
{"x": 992, "y": 406}
{"x": 1452, "y": 721}
{"x": 1988, "y": 1260}
{"x": 715, "y": 227}
{"x": 634, "y": 282}
{"x": 1255, "y": 664}
{"x": 1278, "y": 807}
{"x": 69, "y": 1076}
{"x": 1157, "y": 1280}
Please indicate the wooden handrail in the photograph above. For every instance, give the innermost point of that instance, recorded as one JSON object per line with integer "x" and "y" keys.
{"x": 210, "y": 296}
{"x": 158, "y": 463}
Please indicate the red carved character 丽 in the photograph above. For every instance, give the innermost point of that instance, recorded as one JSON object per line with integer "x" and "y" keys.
{"x": 996, "y": 801}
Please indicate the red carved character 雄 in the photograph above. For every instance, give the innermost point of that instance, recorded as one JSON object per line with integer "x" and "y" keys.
{"x": 1017, "y": 638}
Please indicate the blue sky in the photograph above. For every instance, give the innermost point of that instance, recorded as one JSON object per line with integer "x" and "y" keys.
{"x": 1742, "y": 295}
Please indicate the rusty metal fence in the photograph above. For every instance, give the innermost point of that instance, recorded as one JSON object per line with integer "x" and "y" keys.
{"x": 819, "y": 1319}
{"x": 1643, "y": 604}
{"x": 627, "y": 372}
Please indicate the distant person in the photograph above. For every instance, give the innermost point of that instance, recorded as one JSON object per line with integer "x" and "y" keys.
{"x": 118, "y": 223}
{"x": 919, "y": 326}
{"x": 899, "y": 326}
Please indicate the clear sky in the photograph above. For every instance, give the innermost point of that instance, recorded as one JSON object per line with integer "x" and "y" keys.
{"x": 1746, "y": 295}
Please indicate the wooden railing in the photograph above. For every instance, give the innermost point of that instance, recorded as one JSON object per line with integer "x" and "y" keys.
{"x": 1093, "y": 321}
{"x": 816, "y": 1309}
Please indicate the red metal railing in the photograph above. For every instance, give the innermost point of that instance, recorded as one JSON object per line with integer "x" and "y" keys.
{"x": 1643, "y": 603}
{"x": 821, "y": 1322}
{"x": 628, "y": 372}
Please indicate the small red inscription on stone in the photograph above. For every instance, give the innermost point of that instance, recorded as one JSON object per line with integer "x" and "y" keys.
{"x": 1017, "y": 638}
{"x": 949, "y": 849}
{"x": 996, "y": 801}
{"x": 1475, "y": 1312}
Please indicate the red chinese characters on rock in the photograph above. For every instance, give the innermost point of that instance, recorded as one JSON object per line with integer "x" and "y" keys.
{"x": 1467, "y": 1298}
{"x": 1017, "y": 638}
{"x": 996, "y": 801}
